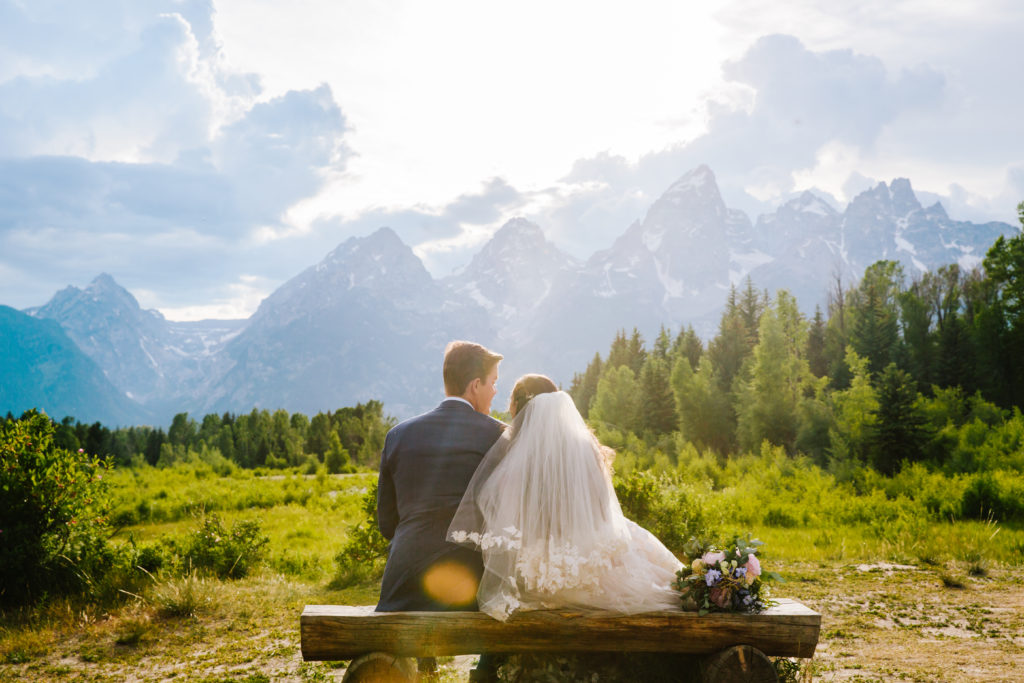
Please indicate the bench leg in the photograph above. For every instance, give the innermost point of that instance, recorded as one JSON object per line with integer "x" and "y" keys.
{"x": 382, "y": 667}
{"x": 741, "y": 663}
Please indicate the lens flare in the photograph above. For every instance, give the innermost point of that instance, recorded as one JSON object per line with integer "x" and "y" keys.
{"x": 450, "y": 583}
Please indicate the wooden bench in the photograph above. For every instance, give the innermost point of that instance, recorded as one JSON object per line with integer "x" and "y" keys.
{"x": 728, "y": 647}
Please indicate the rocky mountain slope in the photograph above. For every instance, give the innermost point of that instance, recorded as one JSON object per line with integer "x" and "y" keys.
{"x": 369, "y": 321}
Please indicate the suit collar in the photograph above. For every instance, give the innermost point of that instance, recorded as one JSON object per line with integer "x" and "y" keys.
{"x": 454, "y": 401}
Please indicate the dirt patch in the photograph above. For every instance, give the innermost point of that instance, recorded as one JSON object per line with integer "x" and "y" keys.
{"x": 886, "y": 622}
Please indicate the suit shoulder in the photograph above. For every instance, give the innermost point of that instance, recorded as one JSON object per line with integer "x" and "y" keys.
{"x": 491, "y": 423}
{"x": 411, "y": 422}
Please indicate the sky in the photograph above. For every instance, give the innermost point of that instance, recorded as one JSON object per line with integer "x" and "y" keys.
{"x": 203, "y": 152}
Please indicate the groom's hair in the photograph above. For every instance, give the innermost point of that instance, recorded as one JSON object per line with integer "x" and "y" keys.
{"x": 465, "y": 361}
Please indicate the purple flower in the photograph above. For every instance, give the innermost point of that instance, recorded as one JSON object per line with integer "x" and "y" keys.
{"x": 739, "y": 572}
{"x": 712, "y": 577}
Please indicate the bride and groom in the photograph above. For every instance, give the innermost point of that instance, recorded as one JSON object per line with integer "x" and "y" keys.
{"x": 500, "y": 518}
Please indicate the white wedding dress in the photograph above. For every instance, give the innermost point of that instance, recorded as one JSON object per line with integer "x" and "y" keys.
{"x": 542, "y": 510}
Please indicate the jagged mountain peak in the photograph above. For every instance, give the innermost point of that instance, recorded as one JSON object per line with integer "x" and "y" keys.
{"x": 692, "y": 200}
{"x": 518, "y": 228}
{"x": 808, "y": 202}
{"x": 379, "y": 264}
{"x": 364, "y": 261}
{"x": 513, "y": 271}
{"x": 904, "y": 201}
{"x": 897, "y": 199}
{"x": 101, "y": 298}
{"x": 104, "y": 281}
{"x": 382, "y": 241}
{"x": 936, "y": 210}
{"x": 700, "y": 179}
{"x": 517, "y": 236}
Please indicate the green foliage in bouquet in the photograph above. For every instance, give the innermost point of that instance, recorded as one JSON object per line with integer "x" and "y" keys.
{"x": 729, "y": 579}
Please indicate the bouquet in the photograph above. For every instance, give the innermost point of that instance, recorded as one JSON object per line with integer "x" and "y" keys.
{"x": 724, "y": 580}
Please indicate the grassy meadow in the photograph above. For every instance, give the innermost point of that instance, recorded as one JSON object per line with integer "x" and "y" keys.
{"x": 904, "y": 594}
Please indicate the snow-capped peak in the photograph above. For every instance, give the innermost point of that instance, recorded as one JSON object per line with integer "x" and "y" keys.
{"x": 698, "y": 180}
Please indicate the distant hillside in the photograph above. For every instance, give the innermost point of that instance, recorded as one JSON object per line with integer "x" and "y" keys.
{"x": 42, "y": 368}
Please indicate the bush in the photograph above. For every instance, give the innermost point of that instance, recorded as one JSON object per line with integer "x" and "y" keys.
{"x": 998, "y": 494}
{"x": 183, "y": 597}
{"x": 363, "y": 556}
{"x": 53, "y": 521}
{"x": 671, "y": 510}
{"x": 225, "y": 554}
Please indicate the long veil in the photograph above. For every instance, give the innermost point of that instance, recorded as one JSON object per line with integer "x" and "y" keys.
{"x": 542, "y": 510}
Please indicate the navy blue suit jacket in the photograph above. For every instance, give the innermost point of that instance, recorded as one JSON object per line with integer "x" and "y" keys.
{"x": 425, "y": 468}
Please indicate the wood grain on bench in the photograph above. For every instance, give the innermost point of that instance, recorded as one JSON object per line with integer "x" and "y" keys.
{"x": 332, "y": 632}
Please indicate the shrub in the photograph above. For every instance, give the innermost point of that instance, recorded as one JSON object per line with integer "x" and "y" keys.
{"x": 670, "y": 509}
{"x": 53, "y": 520}
{"x": 365, "y": 551}
{"x": 223, "y": 553}
{"x": 183, "y": 597}
{"x": 998, "y": 494}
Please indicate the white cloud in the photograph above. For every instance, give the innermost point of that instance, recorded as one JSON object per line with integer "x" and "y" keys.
{"x": 156, "y": 139}
{"x": 234, "y": 300}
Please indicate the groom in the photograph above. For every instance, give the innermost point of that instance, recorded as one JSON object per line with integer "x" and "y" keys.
{"x": 425, "y": 468}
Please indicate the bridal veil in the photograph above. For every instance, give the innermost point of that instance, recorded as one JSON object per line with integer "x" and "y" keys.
{"x": 542, "y": 511}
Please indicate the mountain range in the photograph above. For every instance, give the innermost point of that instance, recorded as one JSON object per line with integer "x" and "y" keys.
{"x": 369, "y": 321}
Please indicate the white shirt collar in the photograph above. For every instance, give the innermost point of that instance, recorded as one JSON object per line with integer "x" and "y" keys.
{"x": 458, "y": 398}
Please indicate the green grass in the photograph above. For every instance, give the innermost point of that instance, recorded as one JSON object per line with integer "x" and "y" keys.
{"x": 932, "y": 544}
{"x": 183, "y": 625}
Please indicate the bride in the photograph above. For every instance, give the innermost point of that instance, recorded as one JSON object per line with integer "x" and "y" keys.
{"x": 542, "y": 510}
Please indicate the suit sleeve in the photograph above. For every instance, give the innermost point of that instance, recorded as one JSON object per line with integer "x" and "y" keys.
{"x": 387, "y": 505}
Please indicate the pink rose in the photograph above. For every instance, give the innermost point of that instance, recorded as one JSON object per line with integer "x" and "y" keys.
{"x": 712, "y": 559}
{"x": 720, "y": 597}
{"x": 753, "y": 566}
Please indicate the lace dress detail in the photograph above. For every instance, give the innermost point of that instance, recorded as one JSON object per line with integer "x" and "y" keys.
{"x": 543, "y": 513}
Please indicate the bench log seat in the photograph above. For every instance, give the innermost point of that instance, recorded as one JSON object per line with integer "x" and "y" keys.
{"x": 724, "y": 640}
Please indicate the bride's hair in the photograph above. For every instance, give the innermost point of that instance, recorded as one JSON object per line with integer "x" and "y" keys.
{"x": 526, "y": 388}
{"x": 529, "y": 386}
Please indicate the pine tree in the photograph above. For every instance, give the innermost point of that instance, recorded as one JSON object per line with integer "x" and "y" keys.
{"x": 618, "y": 354}
{"x": 705, "y": 415}
{"x": 657, "y": 404}
{"x": 875, "y": 331}
{"x": 814, "y": 352}
{"x": 637, "y": 353}
{"x": 688, "y": 345}
{"x": 899, "y": 433}
{"x": 916, "y": 313}
{"x": 729, "y": 348}
{"x": 584, "y": 386}
{"x": 751, "y": 305}
{"x": 662, "y": 344}
{"x": 617, "y": 401}
{"x": 1002, "y": 321}
{"x": 955, "y": 366}
{"x": 855, "y": 413}
{"x": 768, "y": 402}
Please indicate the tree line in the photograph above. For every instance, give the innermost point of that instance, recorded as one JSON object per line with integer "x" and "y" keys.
{"x": 896, "y": 370}
{"x": 339, "y": 440}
